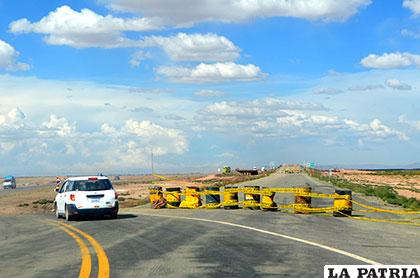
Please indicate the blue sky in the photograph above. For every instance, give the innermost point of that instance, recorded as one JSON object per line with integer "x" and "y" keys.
{"x": 95, "y": 86}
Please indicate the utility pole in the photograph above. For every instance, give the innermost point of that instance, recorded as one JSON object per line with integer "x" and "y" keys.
{"x": 151, "y": 158}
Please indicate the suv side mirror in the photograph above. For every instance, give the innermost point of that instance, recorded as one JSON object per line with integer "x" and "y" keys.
{"x": 57, "y": 189}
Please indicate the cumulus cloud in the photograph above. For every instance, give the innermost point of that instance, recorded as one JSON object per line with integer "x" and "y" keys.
{"x": 413, "y": 5}
{"x": 397, "y": 85}
{"x": 14, "y": 119}
{"x": 175, "y": 13}
{"x": 260, "y": 117}
{"x": 61, "y": 126}
{"x": 209, "y": 93}
{"x": 65, "y": 26}
{"x": 209, "y": 73}
{"x": 126, "y": 144}
{"x": 8, "y": 56}
{"x": 284, "y": 118}
{"x": 195, "y": 47}
{"x": 163, "y": 140}
{"x": 375, "y": 129}
{"x": 391, "y": 60}
{"x": 108, "y": 129}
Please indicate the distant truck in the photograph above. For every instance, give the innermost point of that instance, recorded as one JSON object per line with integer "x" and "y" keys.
{"x": 9, "y": 182}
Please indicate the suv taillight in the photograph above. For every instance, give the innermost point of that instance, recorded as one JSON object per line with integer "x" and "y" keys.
{"x": 72, "y": 197}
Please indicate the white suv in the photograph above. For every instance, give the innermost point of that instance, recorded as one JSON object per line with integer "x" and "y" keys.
{"x": 86, "y": 196}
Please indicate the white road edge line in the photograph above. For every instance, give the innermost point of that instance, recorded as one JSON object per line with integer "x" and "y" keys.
{"x": 332, "y": 249}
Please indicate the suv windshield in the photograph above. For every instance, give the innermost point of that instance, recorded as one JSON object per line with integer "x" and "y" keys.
{"x": 92, "y": 185}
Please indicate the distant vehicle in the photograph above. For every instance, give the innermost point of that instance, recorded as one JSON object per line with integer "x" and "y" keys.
{"x": 9, "y": 182}
{"x": 83, "y": 196}
{"x": 226, "y": 170}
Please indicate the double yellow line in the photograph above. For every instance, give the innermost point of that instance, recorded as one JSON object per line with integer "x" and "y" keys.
{"x": 86, "y": 266}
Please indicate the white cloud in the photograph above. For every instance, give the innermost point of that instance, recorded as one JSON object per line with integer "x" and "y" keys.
{"x": 65, "y": 26}
{"x": 413, "y": 5}
{"x": 162, "y": 140}
{"x": 209, "y": 93}
{"x": 285, "y": 119}
{"x": 8, "y": 56}
{"x": 108, "y": 129}
{"x": 14, "y": 119}
{"x": 60, "y": 126}
{"x": 398, "y": 85}
{"x": 328, "y": 91}
{"x": 409, "y": 33}
{"x": 369, "y": 87}
{"x": 375, "y": 129}
{"x": 391, "y": 60}
{"x": 174, "y": 12}
{"x": 138, "y": 57}
{"x": 404, "y": 120}
{"x": 209, "y": 73}
{"x": 195, "y": 47}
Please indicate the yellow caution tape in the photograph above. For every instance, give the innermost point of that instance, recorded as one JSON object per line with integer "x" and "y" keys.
{"x": 386, "y": 210}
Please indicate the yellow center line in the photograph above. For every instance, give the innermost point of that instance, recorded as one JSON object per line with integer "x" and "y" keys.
{"x": 103, "y": 264}
{"x": 86, "y": 266}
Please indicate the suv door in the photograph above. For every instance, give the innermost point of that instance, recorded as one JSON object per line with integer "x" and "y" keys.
{"x": 61, "y": 197}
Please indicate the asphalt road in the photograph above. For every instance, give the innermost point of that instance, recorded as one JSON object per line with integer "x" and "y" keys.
{"x": 205, "y": 243}
{"x": 22, "y": 188}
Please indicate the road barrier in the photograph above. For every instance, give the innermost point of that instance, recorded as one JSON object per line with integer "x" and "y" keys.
{"x": 344, "y": 205}
{"x": 173, "y": 197}
{"x": 263, "y": 198}
{"x": 267, "y": 200}
{"x": 192, "y": 199}
{"x": 252, "y": 197}
{"x": 212, "y": 200}
{"x": 230, "y": 195}
{"x": 302, "y": 200}
{"x": 155, "y": 194}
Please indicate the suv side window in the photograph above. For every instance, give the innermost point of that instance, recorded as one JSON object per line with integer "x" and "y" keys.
{"x": 63, "y": 187}
{"x": 70, "y": 186}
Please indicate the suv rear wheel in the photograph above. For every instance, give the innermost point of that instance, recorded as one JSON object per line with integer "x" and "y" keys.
{"x": 67, "y": 214}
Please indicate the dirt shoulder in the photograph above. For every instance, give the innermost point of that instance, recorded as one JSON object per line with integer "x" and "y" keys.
{"x": 405, "y": 185}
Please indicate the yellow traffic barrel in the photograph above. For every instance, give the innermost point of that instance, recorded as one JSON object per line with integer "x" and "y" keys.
{"x": 155, "y": 193}
{"x": 173, "y": 196}
{"x": 267, "y": 199}
{"x": 302, "y": 201}
{"x": 230, "y": 197}
{"x": 252, "y": 197}
{"x": 342, "y": 203}
{"x": 192, "y": 198}
{"x": 212, "y": 197}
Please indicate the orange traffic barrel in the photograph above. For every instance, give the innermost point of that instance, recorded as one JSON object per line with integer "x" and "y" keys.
{"x": 252, "y": 197}
{"x": 173, "y": 196}
{"x": 342, "y": 203}
{"x": 302, "y": 201}
{"x": 230, "y": 197}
